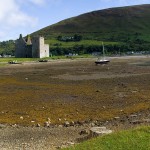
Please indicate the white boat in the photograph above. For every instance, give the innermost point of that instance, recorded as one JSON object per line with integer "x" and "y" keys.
{"x": 102, "y": 60}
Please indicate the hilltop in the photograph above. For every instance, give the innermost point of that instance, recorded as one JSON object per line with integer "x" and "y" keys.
{"x": 111, "y": 24}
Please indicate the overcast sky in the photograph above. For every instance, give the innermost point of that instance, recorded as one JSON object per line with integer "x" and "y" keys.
{"x": 27, "y": 16}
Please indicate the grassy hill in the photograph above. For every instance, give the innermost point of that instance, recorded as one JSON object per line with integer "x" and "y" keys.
{"x": 133, "y": 139}
{"x": 114, "y": 24}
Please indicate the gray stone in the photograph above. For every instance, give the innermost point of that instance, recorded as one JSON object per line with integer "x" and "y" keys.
{"x": 96, "y": 131}
{"x": 46, "y": 124}
{"x": 116, "y": 118}
{"x": 38, "y": 125}
{"x": 136, "y": 121}
{"x": 60, "y": 126}
{"x": 70, "y": 143}
{"x": 72, "y": 123}
{"x": 21, "y": 117}
{"x": 83, "y": 132}
{"x": 66, "y": 124}
{"x": 92, "y": 124}
{"x": 146, "y": 120}
{"x": 59, "y": 119}
{"x": 133, "y": 116}
{"x": 2, "y": 126}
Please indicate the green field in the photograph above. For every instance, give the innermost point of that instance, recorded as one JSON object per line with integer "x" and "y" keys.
{"x": 133, "y": 139}
{"x": 54, "y": 42}
{"x": 5, "y": 60}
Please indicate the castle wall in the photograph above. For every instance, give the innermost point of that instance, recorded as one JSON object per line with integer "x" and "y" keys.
{"x": 28, "y": 51}
{"x": 35, "y": 49}
{"x": 44, "y": 48}
{"x": 39, "y": 48}
{"x": 23, "y": 50}
{"x": 20, "y": 48}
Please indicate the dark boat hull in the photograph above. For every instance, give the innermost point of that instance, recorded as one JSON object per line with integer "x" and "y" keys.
{"x": 102, "y": 62}
{"x": 43, "y": 60}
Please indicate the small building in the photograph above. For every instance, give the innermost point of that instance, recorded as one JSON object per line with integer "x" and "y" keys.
{"x": 31, "y": 48}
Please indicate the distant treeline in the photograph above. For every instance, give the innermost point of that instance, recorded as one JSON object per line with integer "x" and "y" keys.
{"x": 7, "y": 47}
{"x": 137, "y": 45}
{"x": 111, "y": 49}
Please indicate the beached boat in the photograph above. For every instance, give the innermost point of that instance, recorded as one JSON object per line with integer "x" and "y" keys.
{"x": 102, "y": 60}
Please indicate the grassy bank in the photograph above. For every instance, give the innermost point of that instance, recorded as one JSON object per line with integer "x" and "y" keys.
{"x": 49, "y": 58}
{"x": 134, "y": 139}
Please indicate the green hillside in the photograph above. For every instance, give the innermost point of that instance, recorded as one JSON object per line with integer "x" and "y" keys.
{"x": 114, "y": 24}
{"x": 133, "y": 139}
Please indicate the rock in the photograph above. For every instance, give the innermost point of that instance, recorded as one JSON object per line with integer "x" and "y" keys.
{"x": 21, "y": 117}
{"x": 146, "y": 120}
{"x": 60, "y": 126}
{"x": 2, "y": 126}
{"x": 59, "y": 119}
{"x": 80, "y": 123}
{"x": 133, "y": 116}
{"x": 46, "y": 124}
{"x": 97, "y": 131}
{"x": 92, "y": 124}
{"x": 136, "y": 121}
{"x": 38, "y": 125}
{"x": 83, "y": 132}
{"x": 72, "y": 123}
{"x": 70, "y": 143}
{"x": 116, "y": 118}
{"x": 66, "y": 124}
{"x": 14, "y": 125}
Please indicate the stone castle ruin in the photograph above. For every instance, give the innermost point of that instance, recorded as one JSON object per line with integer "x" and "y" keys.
{"x": 31, "y": 48}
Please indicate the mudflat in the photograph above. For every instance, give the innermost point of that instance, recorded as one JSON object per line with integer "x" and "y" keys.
{"x": 73, "y": 91}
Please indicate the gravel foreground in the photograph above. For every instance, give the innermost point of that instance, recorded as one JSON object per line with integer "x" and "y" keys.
{"x": 37, "y": 138}
{"x": 16, "y": 137}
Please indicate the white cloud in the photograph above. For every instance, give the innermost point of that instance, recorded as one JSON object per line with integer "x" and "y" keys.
{"x": 37, "y": 2}
{"x": 13, "y": 18}
{"x": 43, "y": 2}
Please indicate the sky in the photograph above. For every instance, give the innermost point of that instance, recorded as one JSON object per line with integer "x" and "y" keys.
{"x": 27, "y": 16}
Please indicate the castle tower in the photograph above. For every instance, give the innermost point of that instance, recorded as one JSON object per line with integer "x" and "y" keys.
{"x": 20, "y": 47}
{"x": 39, "y": 48}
